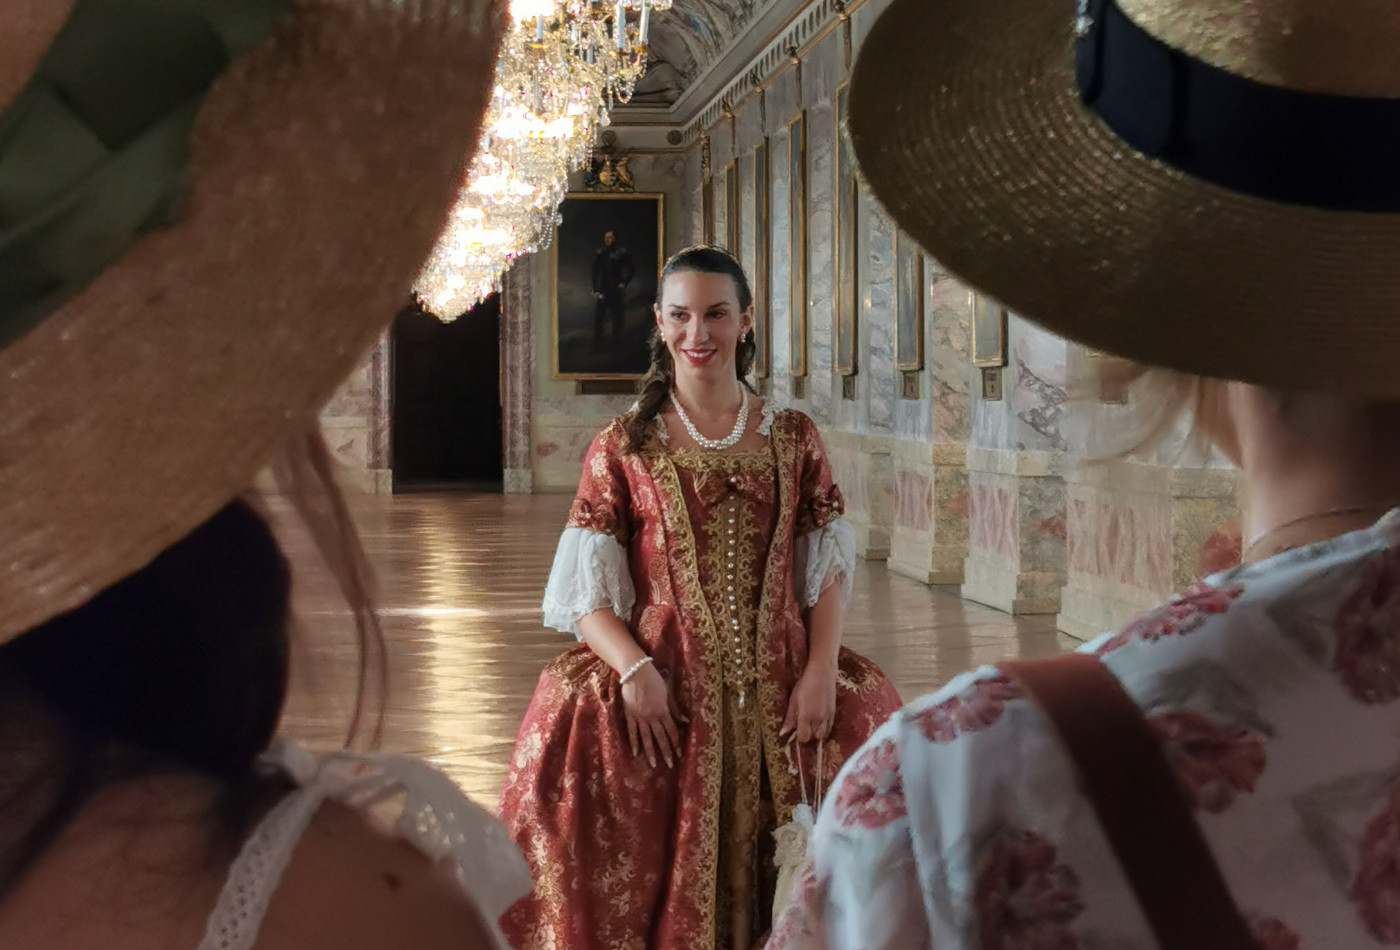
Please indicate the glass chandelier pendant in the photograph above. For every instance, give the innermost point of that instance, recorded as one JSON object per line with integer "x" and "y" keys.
{"x": 561, "y": 66}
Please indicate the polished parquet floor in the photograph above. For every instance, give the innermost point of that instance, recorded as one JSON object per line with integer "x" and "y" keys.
{"x": 460, "y": 582}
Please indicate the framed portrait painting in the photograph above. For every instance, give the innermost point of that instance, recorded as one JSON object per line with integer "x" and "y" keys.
{"x": 707, "y": 210}
{"x": 762, "y": 266}
{"x": 908, "y": 304}
{"x": 732, "y": 222}
{"x": 608, "y": 253}
{"x": 797, "y": 245}
{"x": 845, "y": 249}
{"x": 988, "y": 331}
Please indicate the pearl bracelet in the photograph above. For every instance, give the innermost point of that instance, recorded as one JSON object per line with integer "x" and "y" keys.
{"x": 631, "y": 673}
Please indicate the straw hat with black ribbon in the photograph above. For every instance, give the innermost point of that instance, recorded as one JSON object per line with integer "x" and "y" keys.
{"x": 209, "y": 210}
{"x": 1203, "y": 185}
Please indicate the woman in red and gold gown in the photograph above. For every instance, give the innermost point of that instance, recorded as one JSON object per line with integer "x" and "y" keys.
{"x": 708, "y": 576}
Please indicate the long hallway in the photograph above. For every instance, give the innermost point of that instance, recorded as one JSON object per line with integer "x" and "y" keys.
{"x": 460, "y": 584}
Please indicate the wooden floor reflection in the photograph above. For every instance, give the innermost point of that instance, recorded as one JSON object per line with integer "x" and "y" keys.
{"x": 461, "y": 578}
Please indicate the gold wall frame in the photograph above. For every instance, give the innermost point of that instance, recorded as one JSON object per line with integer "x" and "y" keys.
{"x": 797, "y": 245}
{"x": 988, "y": 330}
{"x": 707, "y": 211}
{"x": 844, "y": 258}
{"x": 908, "y": 304}
{"x": 761, "y": 274}
{"x": 733, "y": 223}
{"x": 577, "y": 348}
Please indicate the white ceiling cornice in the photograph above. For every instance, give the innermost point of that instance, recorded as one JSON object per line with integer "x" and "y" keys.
{"x": 764, "y": 49}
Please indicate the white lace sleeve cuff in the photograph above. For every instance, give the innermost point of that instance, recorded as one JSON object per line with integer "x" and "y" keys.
{"x": 822, "y": 558}
{"x": 590, "y": 572}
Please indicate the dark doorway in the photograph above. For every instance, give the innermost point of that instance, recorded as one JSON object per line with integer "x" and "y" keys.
{"x": 447, "y": 400}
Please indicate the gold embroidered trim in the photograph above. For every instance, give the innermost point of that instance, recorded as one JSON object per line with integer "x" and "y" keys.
{"x": 706, "y": 692}
{"x": 697, "y": 460}
{"x": 771, "y": 693}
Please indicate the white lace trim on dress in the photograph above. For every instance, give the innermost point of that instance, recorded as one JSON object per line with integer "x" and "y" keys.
{"x": 590, "y": 572}
{"x": 770, "y": 410}
{"x": 824, "y": 557}
{"x": 433, "y": 815}
{"x": 255, "y": 873}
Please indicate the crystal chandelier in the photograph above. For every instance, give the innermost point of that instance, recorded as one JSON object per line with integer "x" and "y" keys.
{"x": 562, "y": 65}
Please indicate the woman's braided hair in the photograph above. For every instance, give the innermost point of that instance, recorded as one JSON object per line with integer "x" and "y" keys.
{"x": 656, "y": 386}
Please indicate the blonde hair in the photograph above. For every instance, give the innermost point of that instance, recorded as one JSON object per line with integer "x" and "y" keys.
{"x": 1159, "y": 399}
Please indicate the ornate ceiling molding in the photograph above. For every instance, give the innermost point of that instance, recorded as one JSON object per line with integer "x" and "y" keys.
{"x": 781, "y": 36}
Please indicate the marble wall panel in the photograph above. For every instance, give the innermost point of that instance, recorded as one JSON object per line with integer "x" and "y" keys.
{"x": 876, "y": 328}
{"x": 1017, "y": 530}
{"x": 947, "y": 316}
{"x": 863, "y": 467}
{"x": 1137, "y": 532}
{"x": 356, "y": 423}
{"x": 914, "y": 502}
{"x": 929, "y": 541}
{"x": 777, "y": 217}
{"x": 992, "y": 526}
{"x": 559, "y": 446}
{"x": 518, "y": 376}
{"x": 823, "y": 386}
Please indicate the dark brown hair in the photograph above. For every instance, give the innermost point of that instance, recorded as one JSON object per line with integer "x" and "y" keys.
{"x": 656, "y": 386}
{"x": 180, "y": 668}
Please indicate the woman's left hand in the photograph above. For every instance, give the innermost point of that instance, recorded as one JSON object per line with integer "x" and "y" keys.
{"x": 812, "y": 707}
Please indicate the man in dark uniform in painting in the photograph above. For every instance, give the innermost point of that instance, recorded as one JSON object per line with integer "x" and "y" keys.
{"x": 612, "y": 272}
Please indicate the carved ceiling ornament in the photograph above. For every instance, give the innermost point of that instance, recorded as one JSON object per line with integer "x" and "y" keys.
{"x": 607, "y": 170}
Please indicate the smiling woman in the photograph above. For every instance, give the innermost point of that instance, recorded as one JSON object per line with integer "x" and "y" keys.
{"x": 705, "y": 568}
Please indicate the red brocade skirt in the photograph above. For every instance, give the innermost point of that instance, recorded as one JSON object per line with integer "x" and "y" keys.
{"x": 627, "y": 856}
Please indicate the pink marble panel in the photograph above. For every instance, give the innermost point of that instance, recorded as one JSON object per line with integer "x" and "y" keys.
{"x": 1080, "y": 541}
{"x": 958, "y": 505}
{"x": 1121, "y": 541}
{"x": 517, "y": 382}
{"x": 379, "y": 396}
{"x": 350, "y": 447}
{"x": 993, "y": 521}
{"x": 913, "y": 500}
{"x": 1220, "y": 550}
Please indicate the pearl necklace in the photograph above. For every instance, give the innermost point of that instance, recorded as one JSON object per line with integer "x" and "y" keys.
{"x": 731, "y": 439}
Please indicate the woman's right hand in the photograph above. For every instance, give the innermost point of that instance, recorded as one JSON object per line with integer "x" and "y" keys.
{"x": 654, "y": 717}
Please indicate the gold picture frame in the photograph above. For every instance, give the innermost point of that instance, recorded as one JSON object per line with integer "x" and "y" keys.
{"x": 707, "y": 210}
{"x": 797, "y": 245}
{"x": 762, "y": 262}
{"x": 733, "y": 229}
{"x": 595, "y": 337}
{"x": 908, "y": 304}
{"x": 988, "y": 331}
{"x": 844, "y": 256}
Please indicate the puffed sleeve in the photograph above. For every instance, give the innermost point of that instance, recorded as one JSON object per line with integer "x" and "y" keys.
{"x": 590, "y": 569}
{"x": 825, "y": 550}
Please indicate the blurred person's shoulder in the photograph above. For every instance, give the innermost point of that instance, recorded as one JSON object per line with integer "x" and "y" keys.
{"x": 352, "y": 884}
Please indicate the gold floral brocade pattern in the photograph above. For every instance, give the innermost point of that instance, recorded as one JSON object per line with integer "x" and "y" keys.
{"x": 642, "y": 858}
{"x": 738, "y": 495}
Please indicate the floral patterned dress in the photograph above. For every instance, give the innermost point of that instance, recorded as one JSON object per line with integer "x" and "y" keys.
{"x": 712, "y": 559}
{"x": 1273, "y": 689}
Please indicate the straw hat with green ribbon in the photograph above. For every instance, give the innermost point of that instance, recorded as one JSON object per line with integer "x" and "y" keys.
{"x": 1204, "y": 185}
{"x": 209, "y": 210}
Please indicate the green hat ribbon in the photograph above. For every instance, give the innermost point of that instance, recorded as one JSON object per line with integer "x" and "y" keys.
{"x": 93, "y": 151}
